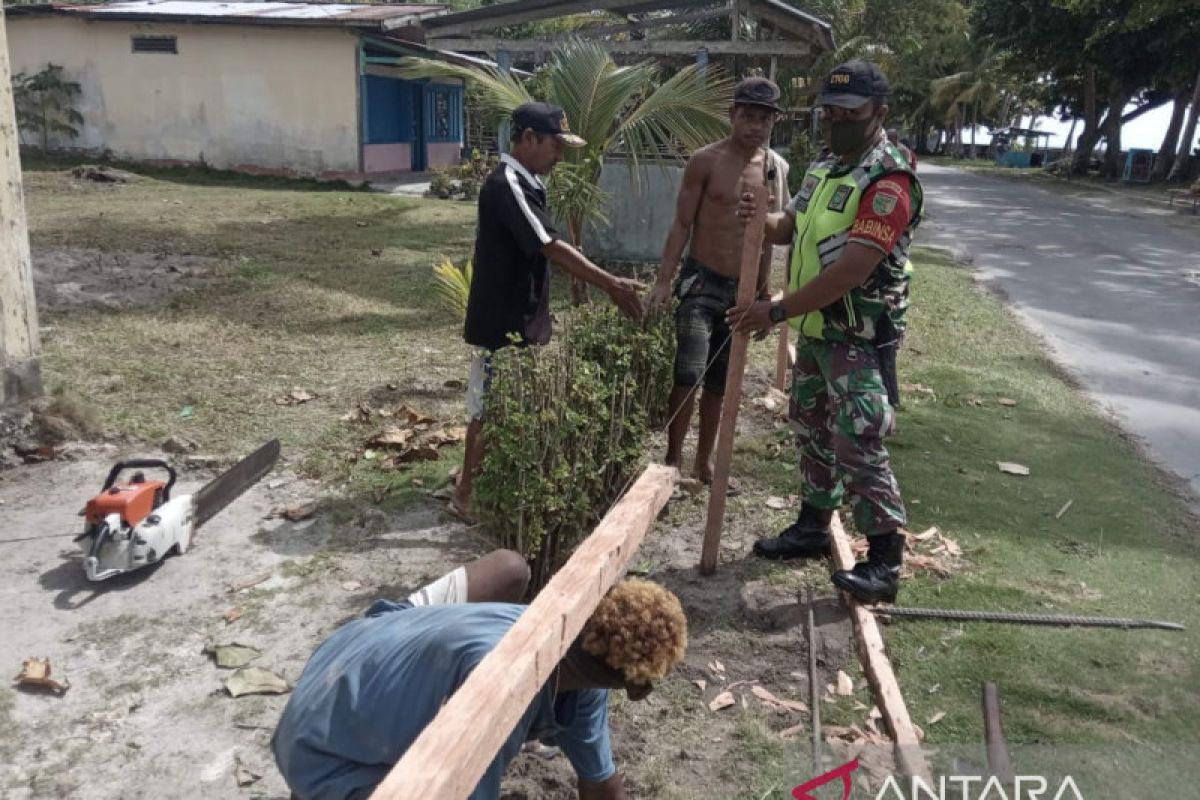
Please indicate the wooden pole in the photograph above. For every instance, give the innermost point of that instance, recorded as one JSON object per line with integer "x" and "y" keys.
{"x": 993, "y": 733}
{"x": 20, "y": 370}
{"x": 910, "y": 757}
{"x": 752, "y": 241}
{"x": 783, "y": 359}
{"x": 452, "y": 753}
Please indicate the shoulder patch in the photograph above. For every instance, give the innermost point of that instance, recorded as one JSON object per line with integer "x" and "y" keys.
{"x": 890, "y": 185}
{"x": 883, "y": 204}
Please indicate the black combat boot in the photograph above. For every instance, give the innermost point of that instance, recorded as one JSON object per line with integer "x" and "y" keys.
{"x": 877, "y": 579}
{"x": 807, "y": 537}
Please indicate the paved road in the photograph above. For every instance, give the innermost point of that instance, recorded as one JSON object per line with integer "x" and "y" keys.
{"x": 1115, "y": 293}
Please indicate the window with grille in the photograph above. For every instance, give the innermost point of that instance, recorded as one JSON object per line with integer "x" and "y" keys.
{"x": 155, "y": 44}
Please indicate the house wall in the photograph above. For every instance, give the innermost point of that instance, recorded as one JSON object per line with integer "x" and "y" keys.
{"x": 250, "y": 97}
{"x": 639, "y": 213}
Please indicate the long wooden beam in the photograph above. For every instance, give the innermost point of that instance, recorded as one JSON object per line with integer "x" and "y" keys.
{"x": 608, "y": 30}
{"x": 452, "y": 753}
{"x": 649, "y": 47}
{"x": 505, "y": 14}
{"x": 752, "y": 242}
{"x": 910, "y": 756}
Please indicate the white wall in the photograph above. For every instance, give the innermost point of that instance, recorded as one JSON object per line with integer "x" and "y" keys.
{"x": 235, "y": 97}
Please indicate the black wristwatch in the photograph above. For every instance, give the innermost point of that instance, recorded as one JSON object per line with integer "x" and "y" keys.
{"x": 777, "y": 313}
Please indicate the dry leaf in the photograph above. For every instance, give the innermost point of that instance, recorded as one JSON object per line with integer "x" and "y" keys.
{"x": 1007, "y": 401}
{"x": 701, "y": 684}
{"x": 255, "y": 680}
{"x": 294, "y": 398}
{"x": 298, "y": 512}
{"x": 936, "y": 718}
{"x": 447, "y": 436}
{"x": 723, "y": 700}
{"x": 243, "y": 774}
{"x": 232, "y": 656}
{"x": 36, "y": 672}
{"x": 233, "y": 614}
{"x": 392, "y": 437}
{"x": 245, "y": 583}
{"x": 1012, "y": 468}
{"x": 413, "y": 417}
{"x": 845, "y": 684}
{"x": 776, "y": 503}
{"x": 792, "y": 732}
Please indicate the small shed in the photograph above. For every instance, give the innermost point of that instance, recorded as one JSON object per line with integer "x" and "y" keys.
{"x": 285, "y": 88}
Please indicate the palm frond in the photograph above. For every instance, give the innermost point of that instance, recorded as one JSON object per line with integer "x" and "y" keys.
{"x": 453, "y": 285}
{"x": 690, "y": 107}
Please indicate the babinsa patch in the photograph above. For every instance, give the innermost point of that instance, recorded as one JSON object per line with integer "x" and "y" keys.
{"x": 840, "y": 196}
{"x": 883, "y": 204}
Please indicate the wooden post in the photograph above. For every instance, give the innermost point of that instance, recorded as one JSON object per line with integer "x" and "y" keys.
{"x": 20, "y": 369}
{"x": 735, "y": 20}
{"x": 452, "y": 753}
{"x": 910, "y": 757}
{"x": 783, "y": 359}
{"x": 752, "y": 240}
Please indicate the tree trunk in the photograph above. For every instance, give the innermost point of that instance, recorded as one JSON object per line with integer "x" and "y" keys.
{"x": 960, "y": 123}
{"x": 1118, "y": 96}
{"x": 1070, "y": 136}
{"x": 974, "y": 125}
{"x": 1166, "y": 152}
{"x": 1179, "y": 169}
{"x": 1091, "y": 124}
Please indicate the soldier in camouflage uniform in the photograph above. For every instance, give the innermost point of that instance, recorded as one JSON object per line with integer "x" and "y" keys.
{"x": 850, "y": 226}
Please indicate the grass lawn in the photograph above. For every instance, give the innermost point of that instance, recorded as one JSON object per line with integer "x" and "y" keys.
{"x": 329, "y": 291}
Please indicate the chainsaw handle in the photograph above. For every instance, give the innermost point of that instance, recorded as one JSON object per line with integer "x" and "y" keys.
{"x": 141, "y": 463}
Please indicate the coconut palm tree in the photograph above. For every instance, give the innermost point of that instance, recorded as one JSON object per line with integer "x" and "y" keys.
{"x": 981, "y": 89}
{"x": 615, "y": 108}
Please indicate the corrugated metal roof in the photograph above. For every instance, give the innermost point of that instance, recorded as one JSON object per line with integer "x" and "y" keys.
{"x": 311, "y": 13}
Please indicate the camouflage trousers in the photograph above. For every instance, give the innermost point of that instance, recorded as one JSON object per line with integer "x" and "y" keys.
{"x": 840, "y": 411}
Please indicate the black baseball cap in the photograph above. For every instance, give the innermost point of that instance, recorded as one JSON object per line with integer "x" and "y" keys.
{"x": 852, "y": 84}
{"x": 757, "y": 92}
{"x": 545, "y": 118}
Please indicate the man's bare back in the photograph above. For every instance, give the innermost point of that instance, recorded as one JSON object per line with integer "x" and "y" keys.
{"x": 716, "y": 230}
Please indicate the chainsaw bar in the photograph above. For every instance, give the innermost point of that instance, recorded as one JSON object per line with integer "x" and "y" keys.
{"x": 229, "y": 486}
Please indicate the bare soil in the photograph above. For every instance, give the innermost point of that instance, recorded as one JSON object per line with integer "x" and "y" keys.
{"x": 71, "y": 278}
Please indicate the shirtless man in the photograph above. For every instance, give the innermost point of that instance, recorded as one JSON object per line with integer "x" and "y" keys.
{"x": 706, "y": 213}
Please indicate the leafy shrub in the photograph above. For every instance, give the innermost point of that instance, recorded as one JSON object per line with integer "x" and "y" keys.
{"x": 462, "y": 181}
{"x": 801, "y": 153}
{"x": 566, "y": 427}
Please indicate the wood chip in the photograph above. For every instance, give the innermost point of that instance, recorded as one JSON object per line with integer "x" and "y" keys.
{"x": 777, "y": 503}
{"x": 723, "y": 700}
{"x": 36, "y": 672}
{"x": 392, "y": 437}
{"x": 926, "y": 535}
{"x": 255, "y": 680}
{"x": 243, "y": 774}
{"x": 936, "y": 718}
{"x": 1007, "y": 401}
{"x": 352, "y": 586}
{"x": 295, "y": 397}
{"x": 233, "y": 614}
{"x": 845, "y": 684}
{"x": 1012, "y": 468}
{"x": 247, "y": 582}
{"x": 701, "y": 684}
{"x": 1064, "y": 509}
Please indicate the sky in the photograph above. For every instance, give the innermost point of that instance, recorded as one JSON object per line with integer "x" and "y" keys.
{"x": 1147, "y": 131}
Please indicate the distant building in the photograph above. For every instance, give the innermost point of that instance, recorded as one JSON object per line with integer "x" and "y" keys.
{"x": 270, "y": 88}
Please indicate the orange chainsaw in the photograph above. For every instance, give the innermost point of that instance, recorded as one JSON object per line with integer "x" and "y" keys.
{"x": 137, "y": 522}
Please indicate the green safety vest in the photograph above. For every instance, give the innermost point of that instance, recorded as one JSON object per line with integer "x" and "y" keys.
{"x": 826, "y": 207}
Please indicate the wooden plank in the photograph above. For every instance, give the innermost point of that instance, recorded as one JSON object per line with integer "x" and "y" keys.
{"x": 649, "y": 47}
{"x": 910, "y": 757}
{"x": 752, "y": 240}
{"x": 452, "y": 753}
{"x": 999, "y": 763}
{"x": 502, "y": 15}
{"x": 783, "y": 359}
{"x": 608, "y": 30}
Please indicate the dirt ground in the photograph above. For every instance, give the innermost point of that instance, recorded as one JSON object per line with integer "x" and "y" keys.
{"x": 68, "y": 278}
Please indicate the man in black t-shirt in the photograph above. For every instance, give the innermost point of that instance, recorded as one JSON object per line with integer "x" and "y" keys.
{"x": 510, "y": 289}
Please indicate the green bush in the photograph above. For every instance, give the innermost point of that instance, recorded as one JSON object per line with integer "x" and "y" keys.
{"x": 566, "y": 428}
{"x": 801, "y": 153}
{"x": 462, "y": 181}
